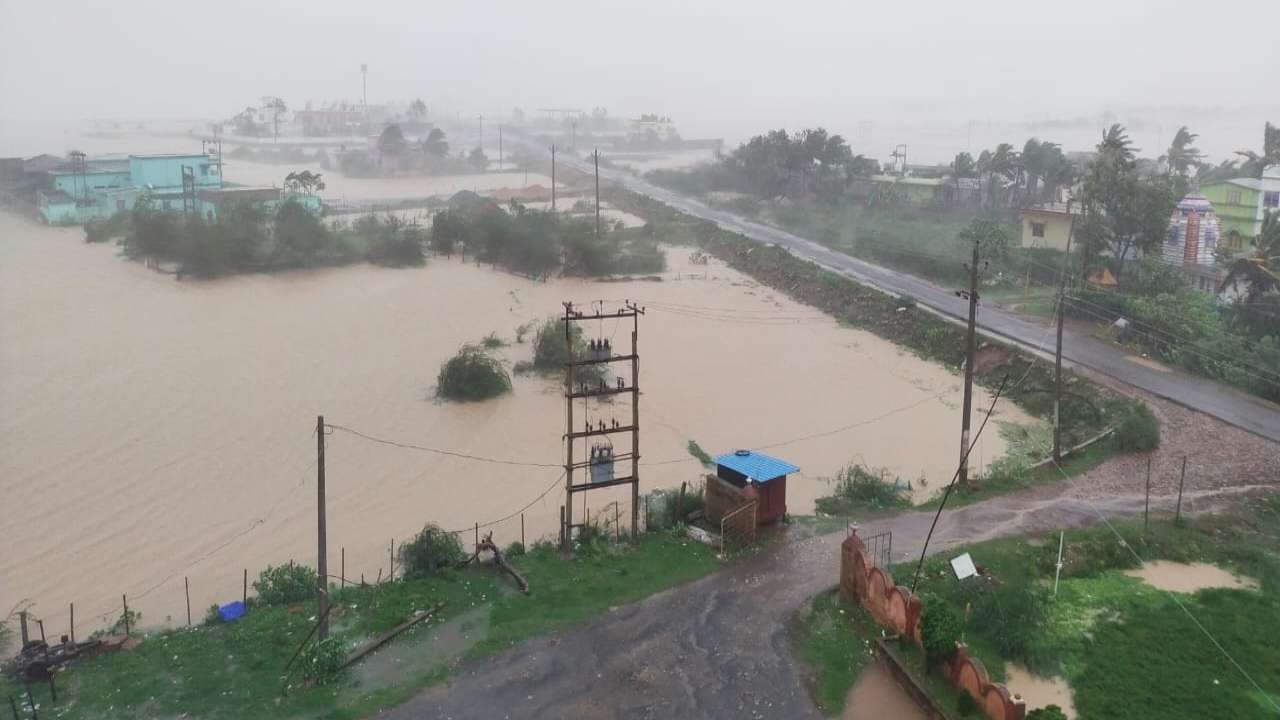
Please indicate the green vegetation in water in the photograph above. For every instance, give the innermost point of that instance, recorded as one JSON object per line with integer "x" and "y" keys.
{"x": 667, "y": 509}
{"x": 472, "y": 374}
{"x": 696, "y": 451}
{"x": 858, "y": 489}
{"x": 234, "y": 670}
{"x": 1126, "y": 648}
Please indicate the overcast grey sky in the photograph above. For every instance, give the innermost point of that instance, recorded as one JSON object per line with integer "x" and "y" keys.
{"x": 919, "y": 71}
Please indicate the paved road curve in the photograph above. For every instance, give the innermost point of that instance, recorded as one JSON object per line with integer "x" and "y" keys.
{"x": 1225, "y": 403}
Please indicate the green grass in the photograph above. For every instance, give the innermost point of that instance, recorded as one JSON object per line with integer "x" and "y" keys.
{"x": 236, "y": 670}
{"x": 835, "y": 640}
{"x": 1126, "y": 648}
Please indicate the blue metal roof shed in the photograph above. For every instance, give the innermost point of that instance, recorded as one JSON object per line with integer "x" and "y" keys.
{"x": 756, "y": 466}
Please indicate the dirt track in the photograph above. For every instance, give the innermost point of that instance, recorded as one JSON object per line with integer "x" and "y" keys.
{"x": 718, "y": 647}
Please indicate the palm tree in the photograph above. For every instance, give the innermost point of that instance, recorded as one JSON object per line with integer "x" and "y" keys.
{"x": 962, "y": 167}
{"x": 1115, "y": 141}
{"x": 1261, "y": 269}
{"x": 1254, "y": 163}
{"x": 1183, "y": 155}
{"x": 1003, "y": 162}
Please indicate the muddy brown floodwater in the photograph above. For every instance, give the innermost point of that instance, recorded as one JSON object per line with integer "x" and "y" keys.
{"x": 876, "y": 696}
{"x": 156, "y": 429}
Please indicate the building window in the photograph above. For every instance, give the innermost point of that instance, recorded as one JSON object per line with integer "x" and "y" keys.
{"x": 1037, "y": 229}
{"x": 1233, "y": 197}
{"x": 1271, "y": 199}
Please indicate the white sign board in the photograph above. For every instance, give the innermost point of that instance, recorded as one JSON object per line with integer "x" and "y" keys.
{"x": 963, "y": 566}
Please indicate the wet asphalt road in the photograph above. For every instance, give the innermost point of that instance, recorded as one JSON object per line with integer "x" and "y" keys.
{"x": 1225, "y": 403}
{"x": 718, "y": 647}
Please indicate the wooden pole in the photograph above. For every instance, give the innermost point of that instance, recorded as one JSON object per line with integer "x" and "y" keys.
{"x": 522, "y": 531}
{"x": 244, "y": 591}
{"x": 1181, "y": 480}
{"x": 53, "y": 691}
{"x": 73, "y": 623}
{"x": 342, "y": 568}
{"x": 322, "y": 555}
{"x": 477, "y": 547}
{"x": 1146, "y": 505}
{"x": 40, "y": 623}
{"x": 24, "y": 635}
{"x": 124, "y": 600}
{"x": 680, "y": 505}
{"x": 971, "y": 344}
{"x": 186, "y": 586}
{"x": 13, "y": 706}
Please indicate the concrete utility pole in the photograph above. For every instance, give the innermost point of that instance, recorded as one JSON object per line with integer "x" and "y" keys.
{"x": 364, "y": 93}
{"x": 322, "y": 564}
{"x": 499, "y": 148}
{"x": 1057, "y": 354}
{"x": 553, "y": 178}
{"x": 480, "y": 144}
{"x": 595, "y": 155}
{"x": 970, "y": 349}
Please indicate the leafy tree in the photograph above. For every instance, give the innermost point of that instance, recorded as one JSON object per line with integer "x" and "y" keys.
{"x": 472, "y": 374}
{"x": 477, "y": 159}
{"x": 429, "y": 552}
{"x": 993, "y": 241}
{"x": 417, "y": 109}
{"x": 299, "y": 238}
{"x": 391, "y": 142}
{"x": 1254, "y": 163}
{"x": 277, "y": 108}
{"x": 304, "y": 181}
{"x": 436, "y": 145}
{"x": 1116, "y": 143}
{"x": 449, "y": 228}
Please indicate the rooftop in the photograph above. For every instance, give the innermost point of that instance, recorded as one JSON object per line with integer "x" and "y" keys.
{"x": 1054, "y": 208}
{"x": 757, "y": 466}
{"x": 930, "y": 182}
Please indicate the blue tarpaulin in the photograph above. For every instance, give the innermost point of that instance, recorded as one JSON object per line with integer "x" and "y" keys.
{"x": 231, "y": 611}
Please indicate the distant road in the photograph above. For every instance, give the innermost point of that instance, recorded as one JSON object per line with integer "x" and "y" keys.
{"x": 1225, "y": 403}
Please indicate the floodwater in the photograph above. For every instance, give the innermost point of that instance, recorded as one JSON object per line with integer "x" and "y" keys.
{"x": 876, "y": 696}
{"x": 1038, "y": 691}
{"x": 156, "y": 429}
{"x": 1189, "y": 577}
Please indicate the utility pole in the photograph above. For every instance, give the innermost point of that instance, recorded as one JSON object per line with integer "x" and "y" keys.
{"x": 364, "y": 93}
{"x": 595, "y": 155}
{"x": 553, "y": 178}
{"x": 481, "y": 143}
{"x": 573, "y": 142}
{"x": 1057, "y": 354}
{"x": 322, "y": 564}
{"x": 970, "y": 349}
{"x": 600, "y": 355}
{"x": 499, "y": 147}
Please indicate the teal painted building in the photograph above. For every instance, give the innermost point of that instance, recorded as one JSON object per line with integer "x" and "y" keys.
{"x": 104, "y": 187}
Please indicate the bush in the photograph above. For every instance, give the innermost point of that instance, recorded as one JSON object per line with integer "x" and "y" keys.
{"x": 1048, "y": 712}
{"x": 1138, "y": 430}
{"x": 665, "y": 509}
{"x": 859, "y": 488}
{"x": 213, "y": 616}
{"x": 285, "y": 584}
{"x": 322, "y": 660}
{"x": 966, "y": 706}
{"x": 430, "y": 551}
{"x": 472, "y": 374}
{"x": 940, "y": 626}
{"x": 515, "y": 549}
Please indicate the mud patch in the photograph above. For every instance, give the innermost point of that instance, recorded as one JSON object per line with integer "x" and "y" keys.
{"x": 1038, "y": 691}
{"x": 421, "y": 649}
{"x": 1148, "y": 363}
{"x": 876, "y": 696}
{"x": 1189, "y": 577}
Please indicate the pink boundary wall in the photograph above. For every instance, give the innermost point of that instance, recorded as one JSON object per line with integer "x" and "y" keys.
{"x": 898, "y": 610}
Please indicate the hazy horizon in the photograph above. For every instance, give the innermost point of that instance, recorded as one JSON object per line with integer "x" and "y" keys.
{"x": 937, "y": 76}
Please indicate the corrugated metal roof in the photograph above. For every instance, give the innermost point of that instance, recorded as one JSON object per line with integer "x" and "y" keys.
{"x": 756, "y": 465}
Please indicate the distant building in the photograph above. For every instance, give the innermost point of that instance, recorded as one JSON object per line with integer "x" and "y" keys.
{"x": 1048, "y": 225}
{"x": 899, "y": 190}
{"x": 1192, "y": 239}
{"x": 1241, "y": 203}
{"x": 77, "y": 192}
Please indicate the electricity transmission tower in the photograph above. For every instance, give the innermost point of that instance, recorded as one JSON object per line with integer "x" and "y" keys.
{"x": 584, "y": 381}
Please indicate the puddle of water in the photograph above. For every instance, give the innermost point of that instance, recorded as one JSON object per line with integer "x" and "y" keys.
{"x": 875, "y": 696}
{"x": 1189, "y": 577}
{"x": 1038, "y": 691}
{"x": 420, "y": 649}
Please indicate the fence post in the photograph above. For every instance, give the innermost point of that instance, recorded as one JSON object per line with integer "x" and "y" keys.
{"x": 477, "y": 546}
{"x": 244, "y": 591}
{"x": 617, "y": 529}
{"x": 522, "y": 531}
{"x": 1146, "y": 505}
{"x": 186, "y": 586}
{"x": 73, "y": 623}
{"x": 53, "y": 691}
{"x": 13, "y": 705}
{"x": 342, "y": 568}
{"x": 680, "y": 505}
{"x": 1181, "y": 480}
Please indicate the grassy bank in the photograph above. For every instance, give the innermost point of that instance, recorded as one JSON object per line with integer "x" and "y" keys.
{"x": 1126, "y": 648}
{"x": 236, "y": 670}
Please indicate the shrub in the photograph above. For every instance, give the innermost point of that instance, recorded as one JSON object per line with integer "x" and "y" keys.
{"x": 664, "y": 508}
{"x": 492, "y": 341}
{"x": 322, "y": 661}
{"x": 859, "y": 488}
{"x": 285, "y": 584}
{"x": 212, "y": 616}
{"x": 472, "y": 374}
{"x": 515, "y": 549}
{"x": 430, "y": 551}
{"x": 1138, "y": 430}
{"x": 1048, "y": 712}
{"x": 966, "y": 706}
{"x": 940, "y": 627}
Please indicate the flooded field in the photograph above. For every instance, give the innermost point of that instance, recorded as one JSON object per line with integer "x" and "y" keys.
{"x": 876, "y": 696}
{"x": 157, "y": 429}
{"x": 1038, "y": 691}
{"x": 1189, "y": 577}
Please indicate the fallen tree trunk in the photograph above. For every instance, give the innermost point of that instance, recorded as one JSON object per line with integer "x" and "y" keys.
{"x": 500, "y": 561}
{"x": 389, "y": 636}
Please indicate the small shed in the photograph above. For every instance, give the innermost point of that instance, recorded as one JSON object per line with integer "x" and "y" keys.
{"x": 752, "y": 476}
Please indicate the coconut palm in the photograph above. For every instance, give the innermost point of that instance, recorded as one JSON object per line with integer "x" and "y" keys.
{"x": 1115, "y": 141}
{"x": 1261, "y": 269}
{"x": 1182, "y": 154}
{"x": 1254, "y": 163}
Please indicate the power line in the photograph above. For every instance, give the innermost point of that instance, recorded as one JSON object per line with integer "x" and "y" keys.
{"x": 438, "y": 451}
{"x": 544, "y": 493}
